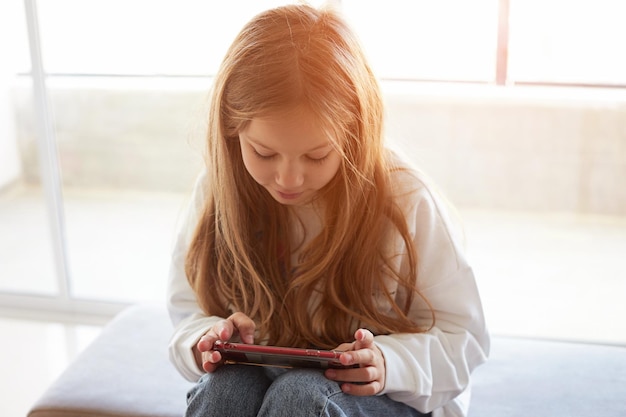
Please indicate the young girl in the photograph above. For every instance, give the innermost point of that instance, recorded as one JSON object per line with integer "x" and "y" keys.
{"x": 305, "y": 231}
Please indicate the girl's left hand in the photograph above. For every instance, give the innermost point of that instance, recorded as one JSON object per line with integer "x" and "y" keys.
{"x": 369, "y": 377}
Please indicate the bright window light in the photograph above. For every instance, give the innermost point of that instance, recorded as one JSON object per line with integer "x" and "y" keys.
{"x": 561, "y": 41}
{"x": 436, "y": 40}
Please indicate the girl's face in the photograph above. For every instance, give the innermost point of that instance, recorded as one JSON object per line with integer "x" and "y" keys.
{"x": 290, "y": 155}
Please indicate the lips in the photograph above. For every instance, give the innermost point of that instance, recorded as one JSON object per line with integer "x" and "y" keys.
{"x": 288, "y": 196}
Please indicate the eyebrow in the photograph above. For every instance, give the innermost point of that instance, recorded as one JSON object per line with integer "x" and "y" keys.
{"x": 256, "y": 142}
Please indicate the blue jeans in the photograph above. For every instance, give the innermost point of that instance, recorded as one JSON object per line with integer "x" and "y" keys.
{"x": 251, "y": 391}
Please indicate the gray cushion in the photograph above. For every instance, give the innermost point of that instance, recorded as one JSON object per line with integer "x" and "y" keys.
{"x": 125, "y": 372}
{"x": 536, "y": 378}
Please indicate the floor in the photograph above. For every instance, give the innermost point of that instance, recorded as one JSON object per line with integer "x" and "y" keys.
{"x": 542, "y": 275}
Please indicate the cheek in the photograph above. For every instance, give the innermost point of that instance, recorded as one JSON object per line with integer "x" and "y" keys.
{"x": 255, "y": 168}
{"x": 328, "y": 173}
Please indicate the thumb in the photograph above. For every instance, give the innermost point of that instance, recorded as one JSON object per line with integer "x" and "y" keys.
{"x": 363, "y": 339}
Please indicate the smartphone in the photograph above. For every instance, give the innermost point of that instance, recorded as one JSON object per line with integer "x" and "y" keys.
{"x": 282, "y": 357}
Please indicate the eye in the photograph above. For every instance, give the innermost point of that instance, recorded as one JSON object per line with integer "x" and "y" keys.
{"x": 318, "y": 160}
{"x": 262, "y": 156}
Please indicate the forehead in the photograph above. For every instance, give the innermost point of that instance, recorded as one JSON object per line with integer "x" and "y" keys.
{"x": 297, "y": 130}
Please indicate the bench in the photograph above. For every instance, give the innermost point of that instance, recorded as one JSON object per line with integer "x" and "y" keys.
{"x": 125, "y": 372}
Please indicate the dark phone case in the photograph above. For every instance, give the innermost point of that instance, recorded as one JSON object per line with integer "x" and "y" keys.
{"x": 284, "y": 357}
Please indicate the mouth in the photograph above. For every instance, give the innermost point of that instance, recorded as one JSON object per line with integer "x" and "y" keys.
{"x": 288, "y": 196}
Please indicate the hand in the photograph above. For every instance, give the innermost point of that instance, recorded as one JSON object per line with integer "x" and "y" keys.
{"x": 237, "y": 323}
{"x": 369, "y": 377}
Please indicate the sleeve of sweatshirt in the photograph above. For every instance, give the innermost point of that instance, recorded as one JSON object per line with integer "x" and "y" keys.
{"x": 189, "y": 321}
{"x": 431, "y": 371}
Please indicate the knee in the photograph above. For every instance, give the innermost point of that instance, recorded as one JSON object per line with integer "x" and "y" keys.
{"x": 210, "y": 389}
{"x": 299, "y": 390}
{"x": 300, "y": 381}
{"x": 212, "y": 384}
{"x": 197, "y": 396}
{"x": 217, "y": 392}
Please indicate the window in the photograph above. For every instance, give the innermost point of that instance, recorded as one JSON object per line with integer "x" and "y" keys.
{"x": 553, "y": 42}
{"x": 88, "y": 213}
{"x": 88, "y": 209}
{"x": 141, "y": 37}
{"x": 428, "y": 40}
{"x": 568, "y": 42}
{"x": 25, "y": 232}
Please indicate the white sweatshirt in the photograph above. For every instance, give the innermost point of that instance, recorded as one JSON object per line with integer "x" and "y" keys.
{"x": 428, "y": 371}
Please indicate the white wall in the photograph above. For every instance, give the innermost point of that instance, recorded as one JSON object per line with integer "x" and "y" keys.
{"x": 537, "y": 149}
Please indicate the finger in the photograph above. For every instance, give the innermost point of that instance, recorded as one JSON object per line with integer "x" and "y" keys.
{"x": 358, "y": 375}
{"x": 211, "y": 360}
{"x": 244, "y": 325}
{"x": 364, "y": 339}
{"x": 208, "y": 339}
{"x": 362, "y": 390}
{"x": 223, "y": 329}
{"x": 357, "y": 357}
{"x": 344, "y": 347}
{"x": 206, "y": 343}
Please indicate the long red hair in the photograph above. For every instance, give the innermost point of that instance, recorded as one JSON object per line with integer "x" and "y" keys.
{"x": 283, "y": 58}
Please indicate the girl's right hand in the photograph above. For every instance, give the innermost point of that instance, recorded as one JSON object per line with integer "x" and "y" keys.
{"x": 237, "y": 323}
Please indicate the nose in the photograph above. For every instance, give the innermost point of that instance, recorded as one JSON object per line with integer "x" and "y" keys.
{"x": 289, "y": 176}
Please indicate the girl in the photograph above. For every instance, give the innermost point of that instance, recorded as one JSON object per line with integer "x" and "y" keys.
{"x": 305, "y": 231}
